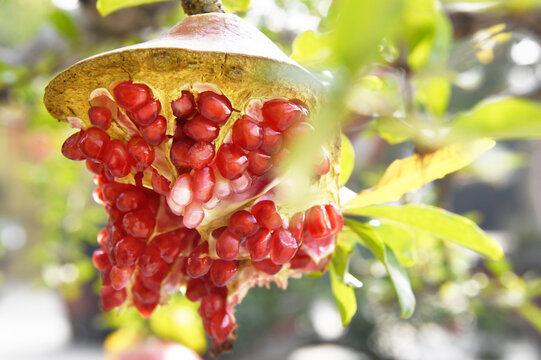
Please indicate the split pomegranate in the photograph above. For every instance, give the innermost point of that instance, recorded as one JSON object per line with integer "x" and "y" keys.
{"x": 189, "y": 173}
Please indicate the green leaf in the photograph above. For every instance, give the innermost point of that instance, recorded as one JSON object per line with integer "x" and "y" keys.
{"x": 371, "y": 238}
{"x": 400, "y": 239}
{"x": 531, "y": 313}
{"x": 434, "y": 93}
{"x": 64, "y": 24}
{"x": 313, "y": 50}
{"x": 393, "y": 129}
{"x": 441, "y": 223}
{"x": 236, "y": 5}
{"x": 344, "y": 295}
{"x": 408, "y": 174}
{"x": 106, "y": 7}
{"x": 347, "y": 160}
{"x": 504, "y": 118}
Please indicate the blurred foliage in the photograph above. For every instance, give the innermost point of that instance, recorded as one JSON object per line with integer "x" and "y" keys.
{"x": 393, "y": 82}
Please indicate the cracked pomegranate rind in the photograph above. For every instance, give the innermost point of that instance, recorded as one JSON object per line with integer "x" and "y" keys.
{"x": 188, "y": 171}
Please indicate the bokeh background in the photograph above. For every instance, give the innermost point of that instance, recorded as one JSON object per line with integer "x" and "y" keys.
{"x": 468, "y": 308}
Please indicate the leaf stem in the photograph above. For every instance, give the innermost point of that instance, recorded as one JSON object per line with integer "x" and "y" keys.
{"x": 195, "y": 7}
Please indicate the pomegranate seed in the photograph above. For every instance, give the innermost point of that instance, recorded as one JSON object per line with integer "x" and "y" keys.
{"x": 148, "y": 113}
{"x": 212, "y": 203}
{"x": 301, "y": 105}
{"x": 222, "y": 188}
{"x": 160, "y": 184}
{"x": 184, "y": 106}
{"x": 296, "y": 132}
{"x": 139, "y": 223}
{"x": 296, "y": 226}
{"x": 70, "y": 148}
{"x": 324, "y": 165}
{"x": 181, "y": 192}
{"x": 267, "y": 266}
{"x": 227, "y": 246}
{"x": 210, "y": 305}
{"x": 97, "y": 196}
{"x": 259, "y": 162}
{"x": 281, "y": 114}
{"x": 103, "y": 237}
{"x": 128, "y": 250}
{"x": 105, "y": 279}
{"x": 94, "y": 143}
{"x": 111, "y": 191}
{"x": 241, "y": 184}
{"x": 169, "y": 245}
{"x": 130, "y": 200}
{"x": 120, "y": 276}
{"x": 150, "y": 261}
{"x": 179, "y": 153}
{"x": 272, "y": 141}
{"x": 203, "y": 184}
{"x": 283, "y": 247}
{"x": 259, "y": 244}
{"x": 222, "y": 272}
{"x": 154, "y": 282}
{"x": 242, "y": 224}
{"x": 214, "y": 107}
{"x": 231, "y": 161}
{"x": 201, "y": 129}
{"x": 199, "y": 262}
{"x": 200, "y": 155}
{"x": 141, "y": 152}
{"x": 154, "y": 134}
{"x": 100, "y": 116}
{"x": 300, "y": 261}
{"x": 247, "y": 134}
{"x": 317, "y": 222}
{"x": 100, "y": 259}
{"x": 193, "y": 215}
{"x": 143, "y": 294}
{"x": 221, "y": 326}
{"x": 118, "y": 161}
{"x": 335, "y": 218}
{"x": 195, "y": 289}
{"x": 216, "y": 233}
{"x": 111, "y": 298}
{"x": 131, "y": 96}
{"x": 266, "y": 214}
{"x": 94, "y": 167}
{"x": 179, "y": 132}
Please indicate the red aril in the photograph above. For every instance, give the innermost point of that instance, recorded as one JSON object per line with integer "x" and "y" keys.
{"x": 141, "y": 152}
{"x": 214, "y": 107}
{"x": 317, "y": 222}
{"x": 131, "y": 96}
{"x": 227, "y": 246}
{"x": 259, "y": 244}
{"x": 283, "y": 247}
{"x": 221, "y": 325}
{"x": 201, "y": 129}
{"x": 267, "y": 215}
{"x": 70, "y": 148}
{"x": 200, "y": 155}
{"x": 222, "y": 272}
{"x": 281, "y": 114}
{"x": 154, "y": 134}
{"x": 247, "y": 134}
{"x": 148, "y": 113}
{"x": 203, "y": 184}
{"x": 184, "y": 106}
{"x": 128, "y": 250}
{"x": 100, "y": 116}
{"x": 94, "y": 144}
{"x": 242, "y": 224}
{"x": 231, "y": 161}
{"x": 259, "y": 162}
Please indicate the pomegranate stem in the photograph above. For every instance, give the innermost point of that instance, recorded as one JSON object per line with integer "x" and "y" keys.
{"x": 194, "y": 7}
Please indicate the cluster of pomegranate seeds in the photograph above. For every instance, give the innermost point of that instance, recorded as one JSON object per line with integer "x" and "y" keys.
{"x": 151, "y": 244}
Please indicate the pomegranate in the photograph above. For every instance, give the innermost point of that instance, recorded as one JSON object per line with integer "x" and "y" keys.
{"x": 188, "y": 171}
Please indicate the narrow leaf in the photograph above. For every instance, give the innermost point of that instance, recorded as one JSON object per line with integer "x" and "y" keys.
{"x": 411, "y": 173}
{"x": 236, "y": 5}
{"x": 504, "y": 118}
{"x": 344, "y": 295}
{"x": 372, "y": 240}
{"x": 441, "y": 223}
{"x": 106, "y": 7}
{"x": 347, "y": 161}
